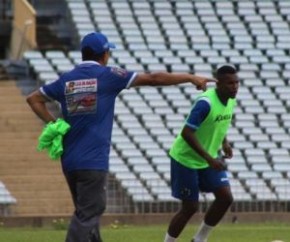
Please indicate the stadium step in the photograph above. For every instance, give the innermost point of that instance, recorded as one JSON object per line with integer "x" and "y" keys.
{"x": 32, "y": 178}
{"x": 44, "y": 206}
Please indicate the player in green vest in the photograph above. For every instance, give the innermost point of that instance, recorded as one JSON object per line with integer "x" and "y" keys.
{"x": 196, "y": 160}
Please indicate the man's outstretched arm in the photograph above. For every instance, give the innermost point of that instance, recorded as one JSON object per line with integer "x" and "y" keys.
{"x": 166, "y": 79}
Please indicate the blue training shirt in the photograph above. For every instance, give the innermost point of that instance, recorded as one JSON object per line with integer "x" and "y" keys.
{"x": 87, "y": 96}
{"x": 198, "y": 113}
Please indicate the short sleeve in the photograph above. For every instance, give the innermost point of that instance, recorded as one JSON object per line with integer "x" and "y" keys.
{"x": 122, "y": 77}
{"x": 53, "y": 90}
{"x": 198, "y": 113}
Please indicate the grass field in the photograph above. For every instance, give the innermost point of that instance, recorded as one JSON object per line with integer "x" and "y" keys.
{"x": 223, "y": 233}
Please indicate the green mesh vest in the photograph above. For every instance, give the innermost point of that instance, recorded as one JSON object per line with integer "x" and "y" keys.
{"x": 210, "y": 133}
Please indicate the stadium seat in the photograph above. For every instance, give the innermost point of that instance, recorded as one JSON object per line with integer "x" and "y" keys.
{"x": 161, "y": 36}
{"x": 6, "y": 200}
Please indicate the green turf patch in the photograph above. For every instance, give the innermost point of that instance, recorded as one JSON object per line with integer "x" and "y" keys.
{"x": 155, "y": 233}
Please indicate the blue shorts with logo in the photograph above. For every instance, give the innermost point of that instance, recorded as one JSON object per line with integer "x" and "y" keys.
{"x": 186, "y": 183}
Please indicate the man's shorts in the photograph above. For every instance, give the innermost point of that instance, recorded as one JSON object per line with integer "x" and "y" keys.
{"x": 186, "y": 183}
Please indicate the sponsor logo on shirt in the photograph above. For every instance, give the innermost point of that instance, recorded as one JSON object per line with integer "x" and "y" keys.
{"x": 185, "y": 192}
{"x": 119, "y": 71}
{"x": 80, "y": 86}
{"x": 81, "y": 96}
{"x": 223, "y": 179}
{"x": 225, "y": 117}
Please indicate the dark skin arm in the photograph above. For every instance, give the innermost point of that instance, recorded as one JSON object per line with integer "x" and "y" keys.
{"x": 189, "y": 136}
{"x": 36, "y": 100}
{"x": 227, "y": 149}
{"x": 166, "y": 79}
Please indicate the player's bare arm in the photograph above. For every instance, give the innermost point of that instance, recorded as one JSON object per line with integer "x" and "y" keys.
{"x": 227, "y": 149}
{"x": 36, "y": 101}
{"x": 189, "y": 136}
{"x": 166, "y": 79}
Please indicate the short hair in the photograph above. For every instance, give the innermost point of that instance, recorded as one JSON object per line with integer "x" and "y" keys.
{"x": 226, "y": 69}
{"x": 223, "y": 70}
{"x": 89, "y": 54}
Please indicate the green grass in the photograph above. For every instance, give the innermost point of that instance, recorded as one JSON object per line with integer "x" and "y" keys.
{"x": 129, "y": 233}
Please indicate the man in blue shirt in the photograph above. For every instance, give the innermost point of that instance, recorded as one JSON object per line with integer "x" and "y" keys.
{"x": 87, "y": 98}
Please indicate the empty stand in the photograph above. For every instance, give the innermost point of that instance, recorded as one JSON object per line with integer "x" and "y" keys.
{"x": 197, "y": 36}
